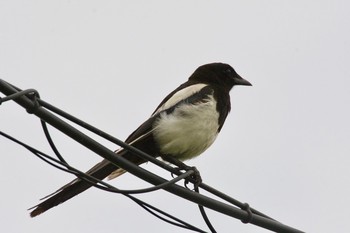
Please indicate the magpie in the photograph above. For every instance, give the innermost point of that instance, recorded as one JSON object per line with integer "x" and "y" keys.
{"x": 182, "y": 127}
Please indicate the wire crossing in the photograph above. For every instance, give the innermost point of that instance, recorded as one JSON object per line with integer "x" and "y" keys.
{"x": 31, "y": 101}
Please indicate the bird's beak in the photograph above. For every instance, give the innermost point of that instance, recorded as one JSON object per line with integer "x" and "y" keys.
{"x": 240, "y": 81}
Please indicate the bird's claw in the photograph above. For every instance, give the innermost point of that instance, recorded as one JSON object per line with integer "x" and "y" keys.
{"x": 194, "y": 178}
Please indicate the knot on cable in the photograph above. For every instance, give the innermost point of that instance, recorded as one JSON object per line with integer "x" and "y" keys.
{"x": 249, "y": 217}
{"x": 35, "y": 106}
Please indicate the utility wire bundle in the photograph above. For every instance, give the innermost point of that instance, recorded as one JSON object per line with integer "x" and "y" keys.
{"x": 31, "y": 101}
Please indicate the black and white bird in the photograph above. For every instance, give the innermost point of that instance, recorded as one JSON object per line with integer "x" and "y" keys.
{"x": 183, "y": 126}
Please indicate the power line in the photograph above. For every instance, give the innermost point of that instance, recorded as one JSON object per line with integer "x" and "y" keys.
{"x": 30, "y": 100}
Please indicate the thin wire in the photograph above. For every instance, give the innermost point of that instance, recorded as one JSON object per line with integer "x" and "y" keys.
{"x": 92, "y": 180}
{"x": 138, "y": 191}
{"x": 63, "y": 162}
{"x": 182, "y": 176}
{"x": 231, "y": 200}
{"x": 142, "y": 154}
{"x": 108, "y": 137}
{"x": 33, "y": 107}
{"x": 51, "y": 143}
{"x": 111, "y": 188}
{"x": 204, "y": 214}
{"x": 148, "y": 208}
{"x": 201, "y": 208}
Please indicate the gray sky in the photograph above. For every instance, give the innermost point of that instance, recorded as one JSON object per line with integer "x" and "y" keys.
{"x": 284, "y": 148}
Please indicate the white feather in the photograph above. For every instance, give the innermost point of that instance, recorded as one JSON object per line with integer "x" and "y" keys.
{"x": 189, "y": 130}
{"x": 180, "y": 95}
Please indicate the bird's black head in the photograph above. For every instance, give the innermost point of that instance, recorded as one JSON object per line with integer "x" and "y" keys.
{"x": 218, "y": 74}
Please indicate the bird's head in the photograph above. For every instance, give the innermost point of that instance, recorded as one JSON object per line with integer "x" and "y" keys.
{"x": 218, "y": 74}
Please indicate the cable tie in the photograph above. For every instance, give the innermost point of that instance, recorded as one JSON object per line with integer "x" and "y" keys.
{"x": 249, "y": 218}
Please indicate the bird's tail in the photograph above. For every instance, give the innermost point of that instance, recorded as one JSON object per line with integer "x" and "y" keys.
{"x": 99, "y": 171}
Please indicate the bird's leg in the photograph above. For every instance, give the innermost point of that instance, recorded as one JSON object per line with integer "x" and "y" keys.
{"x": 195, "y": 177}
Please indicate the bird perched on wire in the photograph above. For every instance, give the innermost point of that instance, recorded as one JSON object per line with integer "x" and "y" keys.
{"x": 183, "y": 126}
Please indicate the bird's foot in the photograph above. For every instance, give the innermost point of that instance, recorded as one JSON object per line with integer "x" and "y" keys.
{"x": 194, "y": 178}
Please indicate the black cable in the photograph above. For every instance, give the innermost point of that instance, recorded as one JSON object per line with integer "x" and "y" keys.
{"x": 108, "y": 137}
{"x": 148, "y": 208}
{"x": 18, "y": 94}
{"x": 136, "y": 151}
{"x": 111, "y": 188}
{"x": 157, "y": 187}
{"x": 143, "y": 155}
{"x": 204, "y": 214}
{"x": 92, "y": 180}
{"x": 51, "y": 143}
{"x": 126, "y": 192}
{"x": 32, "y": 107}
{"x": 138, "y": 191}
{"x": 231, "y": 200}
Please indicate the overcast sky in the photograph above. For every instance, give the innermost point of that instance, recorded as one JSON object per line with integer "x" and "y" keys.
{"x": 284, "y": 148}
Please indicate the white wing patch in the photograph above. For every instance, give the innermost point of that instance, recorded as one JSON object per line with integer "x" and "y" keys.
{"x": 180, "y": 95}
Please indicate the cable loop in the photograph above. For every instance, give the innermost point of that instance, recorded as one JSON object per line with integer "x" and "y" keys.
{"x": 249, "y": 217}
{"x": 34, "y": 97}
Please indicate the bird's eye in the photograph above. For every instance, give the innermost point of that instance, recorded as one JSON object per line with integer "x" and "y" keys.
{"x": 228, "y": 71}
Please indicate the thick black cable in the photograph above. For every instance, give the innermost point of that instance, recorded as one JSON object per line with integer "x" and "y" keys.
{"x": 92, "y": 180}
{"x": 142, "y": 154}
{"x": 108, "y": 137}
{"x": 18, "y": 94}
{"x": 54, "y": 148}
{"x": 231, "y": 200}
{"x": 152, "y": 178}
{"x": 138, "y": 191}
{"x": 139, "y": 153}
{"x": 127, "y": 192}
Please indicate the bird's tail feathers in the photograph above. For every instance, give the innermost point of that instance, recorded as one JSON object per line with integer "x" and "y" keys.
{"x": 99, "y": 171}
{"x": 73, "y": 188}
{"x": 116, "y": 173}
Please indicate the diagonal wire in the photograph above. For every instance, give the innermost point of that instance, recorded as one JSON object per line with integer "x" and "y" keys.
{"x": 107, "y": 187}
{"x": 143, "y": 155}
{"x": 32, "y": 106}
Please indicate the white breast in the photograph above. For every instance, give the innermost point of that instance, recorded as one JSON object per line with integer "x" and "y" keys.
{"x": 188, "y": 131}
